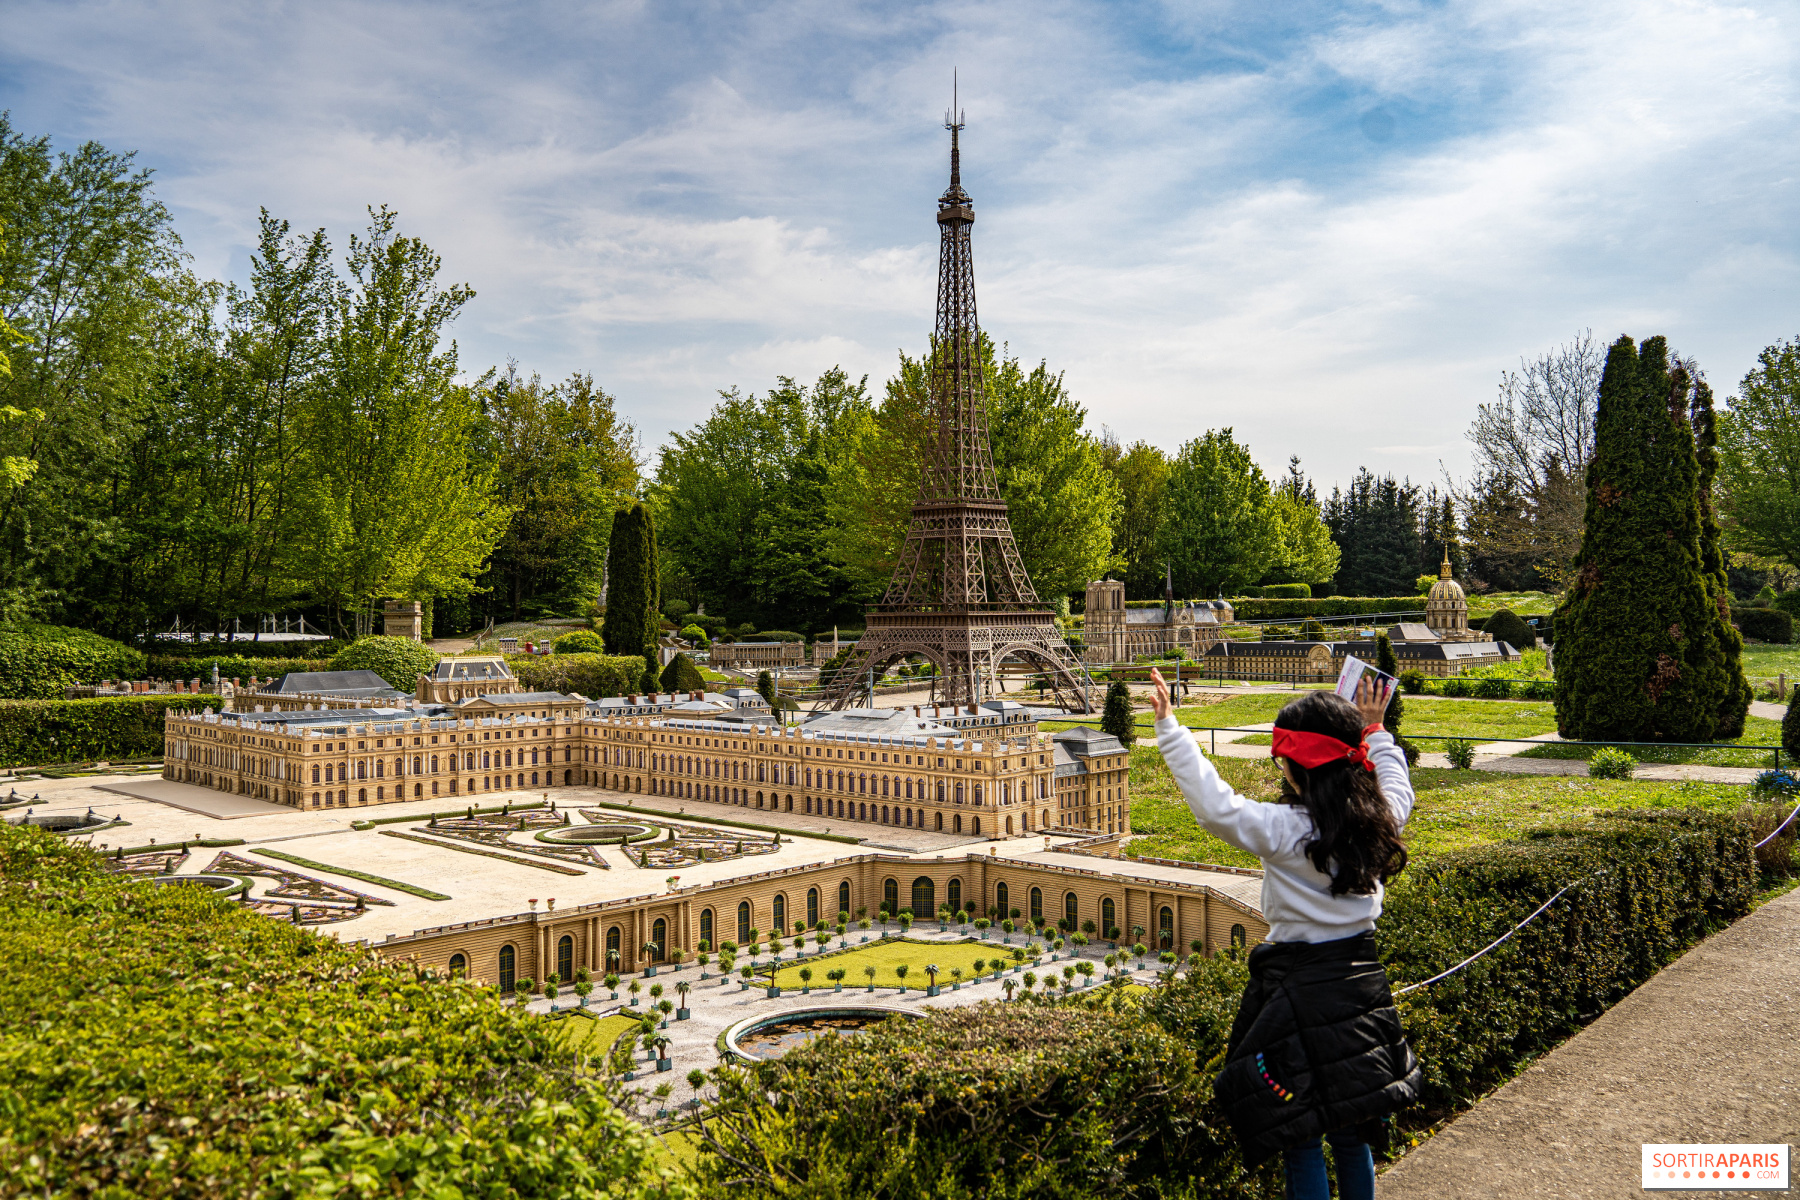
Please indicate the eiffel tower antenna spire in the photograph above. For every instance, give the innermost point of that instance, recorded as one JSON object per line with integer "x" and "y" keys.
{"x": 960, "y": 595}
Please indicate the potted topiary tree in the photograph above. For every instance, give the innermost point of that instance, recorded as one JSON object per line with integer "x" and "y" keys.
{"x": 931, "y": 974}
{"x": 744, "y": 973}
{"x": 981, "y": 927}
{"x": 864, "y": 926}
{"x": 1006, "y": 928}
{"x": 956, "y": 974}
{"x": 634, "y": 988}
{"x": 582, "y": 989}
{"x": 806, "y": 981}
{"x": 836, "y": 975}
{"x": 774, "y": 991}
{"x": 1009, "y": 986}
{"x": 979, "y": 965}
{"x": 665, "y": 1008}
{"x": 1087, "y": 972}
{"x": 612, "y": 985}
{"x": 703, "y": 958}
{"x": 869, "y": 971}
{"x": 900, "y": 974}
{"x": 661, "y": 1044}
{"x": 681, "y": 989}
{"x": 523, "y": 988}
{"x": 696, "y": 1079}
{"x": 550, "y": 991}
{"x": 906, "y": 920}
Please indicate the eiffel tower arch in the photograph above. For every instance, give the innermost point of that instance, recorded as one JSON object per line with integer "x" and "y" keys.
{"x": 960, "y": 596}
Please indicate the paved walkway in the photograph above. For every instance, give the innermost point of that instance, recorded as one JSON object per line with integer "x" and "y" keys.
{"x": 1707, "y": 1051}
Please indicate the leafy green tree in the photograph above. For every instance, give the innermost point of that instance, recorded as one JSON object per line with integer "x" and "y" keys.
{"x": 579, "y": 641}
{"x": 1117, "y": 718}
{"x": 1305, "y": 552}
{"x": 565, "y": 461}
{"x": 1216, "y": 528}
{"x": 1639, "y": 651}
{"x": 632, "y": 624}
{"x": 390, "y": 502}
{"x": 398, "y": 660}
{"x": 1759, "y": 458}
{"x": 1141, "y": 471}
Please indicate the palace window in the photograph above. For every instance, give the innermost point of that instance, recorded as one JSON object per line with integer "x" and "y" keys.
{"x": 743, "y": 923}
{"x": 659, "y": 940}
{"x": 706, "y": 927}
{"x": 565, "y": 957}
{"x": 780, "y": 912}
{"x": 1108, "y": 917}
{"x": 812, "y": 906}
{"x": 1165, "y": 923}
{"x": 924, "y": 897}
{"x": 890, "y": 894}
{"x": 507, "y": 978}
{"x": 843, "y": 900}
{"x": 1037, "y": 903}
{"x": 1000, "y": 902}
{"x": 1069, "y": 910}
{"x": 613, "y": 939}
{"x": 459, "y": 965}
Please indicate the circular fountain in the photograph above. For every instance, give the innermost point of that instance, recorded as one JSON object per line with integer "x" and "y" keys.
{"x": 774, "y": 1034}
{"x": 71, "y": 823}
{"x": 588, "y": 835}
{"x": 219, "y": 885}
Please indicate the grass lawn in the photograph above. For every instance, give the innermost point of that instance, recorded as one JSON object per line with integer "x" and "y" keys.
{"x": 592, "y": 1036}
{"x": 1766, "y": 662}
{"x": 1758, "y": 731}
{"x": 1489, "y": 720}
{"x": 889, "y": 953}
{"x": 1455, "y": 809}
{"x": 1524, "y": 604}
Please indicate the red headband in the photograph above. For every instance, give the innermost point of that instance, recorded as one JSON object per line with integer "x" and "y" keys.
{"x": 1316, "y": 749}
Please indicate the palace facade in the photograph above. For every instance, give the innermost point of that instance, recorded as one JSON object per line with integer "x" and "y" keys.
{"x": 994, "y": 777}
{"x": 1115, "y": 632}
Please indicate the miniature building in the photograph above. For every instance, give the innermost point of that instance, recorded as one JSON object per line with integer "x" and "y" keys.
{"x": 1447, "y": 609}
{"x": 1114, "y": 631}
{"x": 456, "y": 679}
{"x": 755, "y": 656}
{"x": 299, "y": 690}
{"x": 1320, "y": 662}
{"x": 1092, "y": 773}
{"x": 403, "y": 618}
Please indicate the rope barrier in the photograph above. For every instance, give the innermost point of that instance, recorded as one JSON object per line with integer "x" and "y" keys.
{"x": 1465, "y": 962}
{"x": 1779, "y": 828}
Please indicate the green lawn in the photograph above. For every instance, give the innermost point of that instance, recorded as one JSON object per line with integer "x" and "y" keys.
{"x": 1454, "y": 809}
{"x": 1766, "y": 662}
{"x": 1489, "y": 720}
{"x": 1758, "y": 731}
{"x": 889, "y": 953}
{"x": 593, "y": 1036}
{"x": 1524, "y": 604}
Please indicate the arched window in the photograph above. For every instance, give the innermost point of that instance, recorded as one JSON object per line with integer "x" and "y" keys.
{"x": 975, "y": 825}
{"x": 1069, "y": 911}
{"x": 890, "y": 894}
{"x": 362, "y": 795}
{"x": 780, "y": 914}
{"x": 612, "y": 962}
{"x": 1238, "y": 937}
{"x": 659, "y": 937}
{"x": 1037, "y": 903}
{"x": 954, "y": 895}
{"x": 812, "y": 906}
{"x": 706, "y": 928}
{"x": 507, "y": 979}
{"x": 924, "y": 897}
{"x": 1109, "y": 918}
{"x": 565, "y": 957}
{"x": 1000, "y": 901}
{"x": 844, "y": 901}
{"x": 459, "y": 966}
{"x": 1165, "y": 928}
{"x": 743, "y": 935}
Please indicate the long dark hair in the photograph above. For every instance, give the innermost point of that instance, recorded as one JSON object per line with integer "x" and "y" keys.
{"x": 1358, "y": 839}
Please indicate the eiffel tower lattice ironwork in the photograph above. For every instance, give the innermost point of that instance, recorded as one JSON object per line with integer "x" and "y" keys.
{"x": 960, "y": 596}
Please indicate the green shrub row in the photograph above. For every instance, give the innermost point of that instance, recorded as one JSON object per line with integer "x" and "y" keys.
{"x": 1479, "y": 687}
{"x": 1764, "y": 624}
{"x": 230, "y": 667}
{"x": 38, "y": 662}
{"x": 591, "y": 675}
{"x": 1330, "y": 606}
{"x": 162, "y": 1042}
{"x": 34, "y": 732}
{"x": 1102, "y": 1096}
{"x": 245, "y": 648}
{"x": 1277, "y": 591}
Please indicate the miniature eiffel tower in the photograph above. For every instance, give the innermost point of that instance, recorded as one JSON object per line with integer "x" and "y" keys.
{"x": 960, "y": 596}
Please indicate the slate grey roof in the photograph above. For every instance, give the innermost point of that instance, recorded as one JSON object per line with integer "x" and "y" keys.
{"x": 362, "y": 684}
{"x": 1412, "y": 631}
{"x": 878, "y": 722}
{"x": 1086, "y": 742}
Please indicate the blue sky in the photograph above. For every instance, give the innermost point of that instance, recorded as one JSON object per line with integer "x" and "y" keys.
{"x": 1330, "y": 227}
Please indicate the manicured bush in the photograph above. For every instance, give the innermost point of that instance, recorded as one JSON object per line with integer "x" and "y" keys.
{"x": 1294, "y": 609}
{"x": 259, "y": 1059}
{"x": 676, "y": 609}
{"x": 681, "y": 675}
{"x": 579, "y": 641}
{"x": 1764, "y": 624}
{"x": 775, "y": 635}
{"x": 1644, "y": 652}
{"x": 1610, "y": 762}
{"x": 697, "y": 635}
{"x": 1506, "y": 626}
{"x": 40, "y": 732}
{"x": 1314, "y": 631}
{"x": 37, "y": 662}
{"x": 1412, "y": 682}
{"x": 1493, "y": 689}
{"x": 1649, "y": 885}
{"x": 398, "y": 660}
{"x": 1287, "y": 591}
{"x": 1116, "y": 717}
{"x": 999, "y": 1100}
{"x": 1535, "y": 689}
{"x": 230, "y": 667}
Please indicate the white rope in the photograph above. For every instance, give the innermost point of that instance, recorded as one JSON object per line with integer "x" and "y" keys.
{"x": 1779, "y": 828}
{"x": 1465, "y": 962}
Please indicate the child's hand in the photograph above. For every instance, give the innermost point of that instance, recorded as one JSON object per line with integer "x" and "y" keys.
{"x": 1372, "y": 700}
{"x": 1159, "y": 699}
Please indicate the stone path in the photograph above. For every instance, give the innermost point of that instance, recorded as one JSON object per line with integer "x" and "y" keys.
{"x": 1706, "y": 1051}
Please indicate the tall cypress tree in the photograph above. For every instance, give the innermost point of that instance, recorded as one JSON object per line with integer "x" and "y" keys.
{"x": 1640, "y": 652}
{"x": 1738, "y": 693}
{"x": 633, "y": 592}
{"x": 1116, "y": 717}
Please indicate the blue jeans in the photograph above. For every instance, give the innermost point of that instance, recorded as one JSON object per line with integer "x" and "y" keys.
{"x": 1304, "y": 1169}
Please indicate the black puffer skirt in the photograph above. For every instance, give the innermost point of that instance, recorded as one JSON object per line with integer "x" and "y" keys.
{"x": 1316, "y": 1047}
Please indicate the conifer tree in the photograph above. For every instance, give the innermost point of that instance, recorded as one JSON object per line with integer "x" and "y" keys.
{"x": 681, "y": 675}
{"x": 1387, "y": 662}
{"x": 1116, "y": 717}
{"x": 1506, "y": 626}
{"x": 1738, "y": 693}
{"x": 633, "y": 594}
{"x": 765, "y": 687}
{"x": 1790, "y": 729}
{"x": 1640, "y": 647}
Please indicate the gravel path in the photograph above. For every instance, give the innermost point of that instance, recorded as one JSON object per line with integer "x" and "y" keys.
{"x": 1707, "y": 1051}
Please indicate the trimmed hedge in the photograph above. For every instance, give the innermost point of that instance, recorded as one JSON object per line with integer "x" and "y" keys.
{"x": 1331, "y": 606}
{"x": 580, "y": 641}
{"x": 592, "y": 675}
{"x": 1650, "y": 884}
{"x": 1764, "y": 624}
{"x": 1277, "y": 591}
{"x": 163, "y": 1042}
{"x": 681, "y": 675}
{"x": 243, "y": 647}
{"x": 230, "y": 667}
{"x": 398, "y": 660}
{"x": 35, "y": 732}
{"x": 38, "y": 662}
{"x": 1506, "y": 626}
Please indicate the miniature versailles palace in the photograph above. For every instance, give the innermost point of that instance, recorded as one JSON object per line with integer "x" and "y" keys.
{"x": 985, "y": 771}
